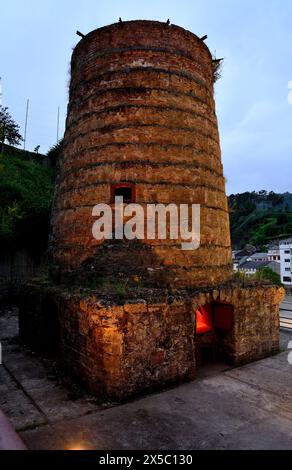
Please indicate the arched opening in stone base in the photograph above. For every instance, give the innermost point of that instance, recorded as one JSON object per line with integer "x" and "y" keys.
{"x": 213, "y": 333}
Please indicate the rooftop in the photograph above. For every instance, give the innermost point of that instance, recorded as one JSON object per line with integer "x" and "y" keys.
{"x": 259, "y": 255}
{"x": 254, "y": 264}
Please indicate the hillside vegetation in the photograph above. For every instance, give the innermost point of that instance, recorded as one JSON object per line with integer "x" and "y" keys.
{"x": 258, "y": 218}
{"x": 26, "y": 191}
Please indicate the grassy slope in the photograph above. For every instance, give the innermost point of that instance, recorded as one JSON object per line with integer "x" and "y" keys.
{"x": 26, "y": 190}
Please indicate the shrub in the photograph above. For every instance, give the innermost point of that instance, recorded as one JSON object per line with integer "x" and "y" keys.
{"x": 26, "y": 190}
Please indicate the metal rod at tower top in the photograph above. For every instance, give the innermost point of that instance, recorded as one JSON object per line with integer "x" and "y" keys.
{"x": 25, "y": 126}
{"x": 58, "y": 122}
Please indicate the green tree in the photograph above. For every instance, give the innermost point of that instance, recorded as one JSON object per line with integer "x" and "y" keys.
{"x": 9, "y": 130}
{"x": 55, "y": 152}
{"x": 269, "y": 275}
{"x": 26, "y": 190}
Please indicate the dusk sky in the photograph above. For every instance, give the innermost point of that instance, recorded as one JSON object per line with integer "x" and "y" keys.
{"x": 255, "y": 39}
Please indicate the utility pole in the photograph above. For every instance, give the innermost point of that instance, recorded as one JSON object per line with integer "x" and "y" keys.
{"x": 58, "y": 123}
{"x": 25, "y": 126}
{"x": 1, "y": 94}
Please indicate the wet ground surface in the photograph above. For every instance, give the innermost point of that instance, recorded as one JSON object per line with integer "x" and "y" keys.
{"x": 248, "y": 407}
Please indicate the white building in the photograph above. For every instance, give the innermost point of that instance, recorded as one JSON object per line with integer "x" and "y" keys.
{"x": 274, "y": 254}
{"x": 286, "y": 261}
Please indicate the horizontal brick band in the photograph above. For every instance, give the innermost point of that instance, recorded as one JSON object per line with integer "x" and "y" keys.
{"x": 196, "y": 267}
{"x": 130, "y": 70}
{"x": 144, "y": 194}
{"x": 160, "y": 183}
{"x": 140, "y": 163}
{"x": 137, "y": 62}
{"x": 160, "y": 85}
{"x": 90, "y": 206}
{"x": 131, "y": 89}
{"x": 84, "y": 60}
{"x": 163, "y": 245}
{"x": 136, "y": 125}
{"x": 141, "y": 145}
{"x": 123, "y": 106}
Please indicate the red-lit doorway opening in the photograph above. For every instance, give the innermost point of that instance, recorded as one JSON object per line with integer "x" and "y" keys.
{"x": 213, "y": 330}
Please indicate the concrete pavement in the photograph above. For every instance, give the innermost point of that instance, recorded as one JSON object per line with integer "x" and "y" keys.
{"x": 248, "y": 407}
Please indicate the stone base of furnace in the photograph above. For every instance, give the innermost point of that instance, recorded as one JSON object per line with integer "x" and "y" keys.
{"x": 119, "y": 351}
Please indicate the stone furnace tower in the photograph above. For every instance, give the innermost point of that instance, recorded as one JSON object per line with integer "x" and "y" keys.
{"x": 141, "y": 123}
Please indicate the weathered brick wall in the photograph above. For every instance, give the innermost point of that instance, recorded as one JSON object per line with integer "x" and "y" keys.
{"x": 115, "y": 350}
{"x": 119, "y": 351}
{"x": 142, "y": 111}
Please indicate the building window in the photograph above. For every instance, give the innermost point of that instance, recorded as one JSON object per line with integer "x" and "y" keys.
{"x": 286, "y": 279}
{"x": 287, "y": 252}
{"x": 287, "y": 269}
{"x": 287, "y": 260}
{"x": 124, "y": 190}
